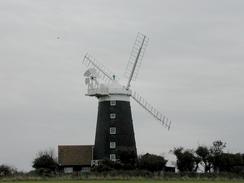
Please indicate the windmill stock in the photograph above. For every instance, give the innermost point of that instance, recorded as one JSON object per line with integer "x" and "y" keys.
{"x": 114, "y": 130}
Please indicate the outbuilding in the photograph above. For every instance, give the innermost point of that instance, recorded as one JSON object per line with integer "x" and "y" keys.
{"x": 75, "y": 158}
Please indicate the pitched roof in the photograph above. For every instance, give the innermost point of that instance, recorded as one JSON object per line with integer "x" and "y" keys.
{"x": 75, "y": 155}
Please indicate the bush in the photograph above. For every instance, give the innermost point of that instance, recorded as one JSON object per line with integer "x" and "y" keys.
{"x": 151, "y": 162}
{"x": 6, "y": 170}
{"x": 45, "y": 164}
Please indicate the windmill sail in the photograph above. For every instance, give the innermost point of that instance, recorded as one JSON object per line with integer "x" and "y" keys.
{"x": 152, "y": 110}
{"x": 101, "y": 71}
{"x": 135, "y": 59}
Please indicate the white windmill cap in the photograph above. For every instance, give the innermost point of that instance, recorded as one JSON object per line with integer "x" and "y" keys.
{"x": 117, "y": 89}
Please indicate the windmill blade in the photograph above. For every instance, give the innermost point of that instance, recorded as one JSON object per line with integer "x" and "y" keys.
{"x": 135, "y": 59}
{"x": 153, "y": 111}
{"x": 101, "y": 71}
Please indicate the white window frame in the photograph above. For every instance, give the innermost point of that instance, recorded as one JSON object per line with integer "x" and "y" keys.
{"x": 113, "y": 103}
{"x": 112, "y": 145}
{"x": 112, "y": 130}
{"x": 85, "y": 169}
{"x": 68, "y": 170}
{"x": 112, "y": 115}
{"x": 94, "y": 162}
{"x": 112, "y": 157}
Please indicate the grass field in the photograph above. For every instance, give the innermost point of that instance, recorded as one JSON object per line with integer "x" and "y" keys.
{"x": 131, "y": 181}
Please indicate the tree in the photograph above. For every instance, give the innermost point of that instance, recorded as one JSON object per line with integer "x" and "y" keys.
{"x": 197, "y": 161}
{"x": 216, "y": 151}
{"x": 151, "y": 162}
{"x": 203, "y": 153}
{"x": 218, "y": 147}
{"x": 185, "y": 159}
{"x": 45, "y": 163}
{"x": 230, "y": 162}
{"x": 6, "y": 170}
{"x": 212, "y": 158}
{"x": 128, "y": 159}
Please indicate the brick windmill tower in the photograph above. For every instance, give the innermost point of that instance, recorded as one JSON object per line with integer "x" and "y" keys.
{"x": 114, "y": 130}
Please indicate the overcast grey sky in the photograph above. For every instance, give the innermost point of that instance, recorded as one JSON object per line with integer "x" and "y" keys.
{"x": 192, "y": 71}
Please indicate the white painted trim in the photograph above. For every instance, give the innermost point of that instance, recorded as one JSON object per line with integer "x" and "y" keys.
{"x": 115, "y": 97}
{"x": 68, "y": 170}
{"x": 112, "y": 130}
{"x": 112, "y": 157}
{"x": 112, "y": 115}
{"x": 113, "y": 103}
{"x": 112, "y": 145}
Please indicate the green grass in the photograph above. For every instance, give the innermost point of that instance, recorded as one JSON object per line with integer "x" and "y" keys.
{"x": 130, "y": 181}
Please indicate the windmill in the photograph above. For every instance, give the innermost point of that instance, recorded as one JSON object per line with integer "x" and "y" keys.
{"x": 114, "y": 130}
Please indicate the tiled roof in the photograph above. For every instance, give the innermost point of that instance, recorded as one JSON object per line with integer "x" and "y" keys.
{"x": 74, "y": 155}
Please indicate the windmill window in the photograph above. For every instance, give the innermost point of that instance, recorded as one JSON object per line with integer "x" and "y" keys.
{"x": 113, "y": 130}
{"x": 68, "y": 170}
{"x": 112, "y": 145}
{"x": 112, "y": 157}
{"x": 113, "y": 102}
{"x": 112, "y": 116}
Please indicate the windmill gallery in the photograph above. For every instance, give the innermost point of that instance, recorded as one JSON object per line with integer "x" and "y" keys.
{"x": 114, "y": 130}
